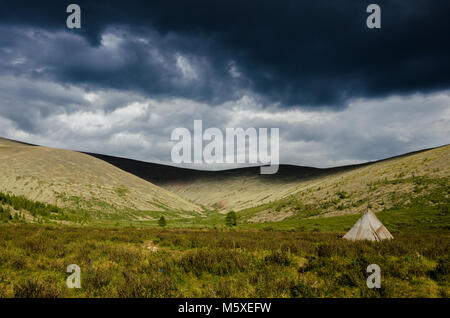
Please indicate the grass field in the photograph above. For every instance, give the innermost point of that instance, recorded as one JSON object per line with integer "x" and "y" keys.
{"x": 152, "y": 262}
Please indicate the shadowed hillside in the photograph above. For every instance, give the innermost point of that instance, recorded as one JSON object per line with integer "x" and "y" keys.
{"x": 227, "y": 189}
{"x": 236, "y": 189}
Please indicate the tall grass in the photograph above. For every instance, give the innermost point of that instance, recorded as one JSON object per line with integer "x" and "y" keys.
{"x": 116, "y": 262}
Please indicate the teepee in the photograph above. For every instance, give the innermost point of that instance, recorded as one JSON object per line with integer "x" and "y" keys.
{"x": 369, "y": 228}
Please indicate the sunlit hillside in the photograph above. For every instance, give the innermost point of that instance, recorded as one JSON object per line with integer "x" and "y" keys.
{"x": 79, "y": 181}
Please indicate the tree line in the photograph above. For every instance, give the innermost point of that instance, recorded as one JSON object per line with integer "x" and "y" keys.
{"x": 36, "y": 208}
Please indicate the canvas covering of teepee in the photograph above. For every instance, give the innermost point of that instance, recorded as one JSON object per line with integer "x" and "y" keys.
{"x": 369, "y": 228}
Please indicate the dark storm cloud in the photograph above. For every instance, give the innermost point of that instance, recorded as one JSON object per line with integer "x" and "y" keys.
{"x": 154, "y": 65}
{"x": 292, "y": 52}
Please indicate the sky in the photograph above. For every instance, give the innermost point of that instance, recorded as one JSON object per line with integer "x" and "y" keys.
{"x": 339, "y": 92}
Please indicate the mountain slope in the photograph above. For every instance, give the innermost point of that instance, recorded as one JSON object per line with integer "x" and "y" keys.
{"x": 227, "y": 189}
{"x": 95, "y": 182}
{"x": 76, "y": 180}
{"x": 415, "y": 181}
{"x": 241, "y": 188}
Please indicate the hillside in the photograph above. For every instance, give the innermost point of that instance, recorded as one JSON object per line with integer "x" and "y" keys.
{"x": 81, "y": 182}
{"x": 415, "y": 181}
{"x": 297, "y": 190}
{"x": 225, "y": 190}
{"x": 119, "y": 188}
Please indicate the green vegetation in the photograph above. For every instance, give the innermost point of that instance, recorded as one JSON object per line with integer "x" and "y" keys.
{"x": 34, "y": 207}
{"x": 211, "y": 263}
{"x": 162, "y": 221}
{"x": 122, "y": 191}
{"x": 231, "y": 219}
{"x": 39, "y": 212}
{"x": 80, "y": 212}
{"x": 403, "y": 220}
{"x": 430, "y": 199}
{"x": 5, "y": 215}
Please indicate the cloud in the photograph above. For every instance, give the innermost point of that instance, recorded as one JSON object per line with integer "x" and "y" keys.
{"x": 153, "y": 65}
{"x": 295, "y": 53}
{"x": 140, "y": 127}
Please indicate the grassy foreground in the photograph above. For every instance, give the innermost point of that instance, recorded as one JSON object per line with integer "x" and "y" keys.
{"x": 152, "y": 262}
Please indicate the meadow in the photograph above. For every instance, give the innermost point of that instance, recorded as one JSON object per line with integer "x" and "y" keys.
{"x": 163, "y": 262}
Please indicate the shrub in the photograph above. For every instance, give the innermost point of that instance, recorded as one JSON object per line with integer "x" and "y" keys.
{"x": 5, "y": 214}
{"x": 442, "y": 270}
{"x": 162, "y": 221}
{"x": 218, "y": 261}
{"x": 231, "y": 219}
{"x": 136, "y": 285}
{"x": 281, "y": 258}
{"x": 36, "y": 288}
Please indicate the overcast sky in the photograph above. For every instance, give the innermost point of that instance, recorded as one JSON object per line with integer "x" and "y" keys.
{"x": 339, "y": 92}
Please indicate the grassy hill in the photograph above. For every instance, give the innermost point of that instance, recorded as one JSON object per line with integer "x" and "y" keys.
{"x": 411, "y": 181}
{"x": 82, "y": 183}
{"x": 225, "y": 190}
{"x": 117, "y": 189}
{"x": 418, "y": 179}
